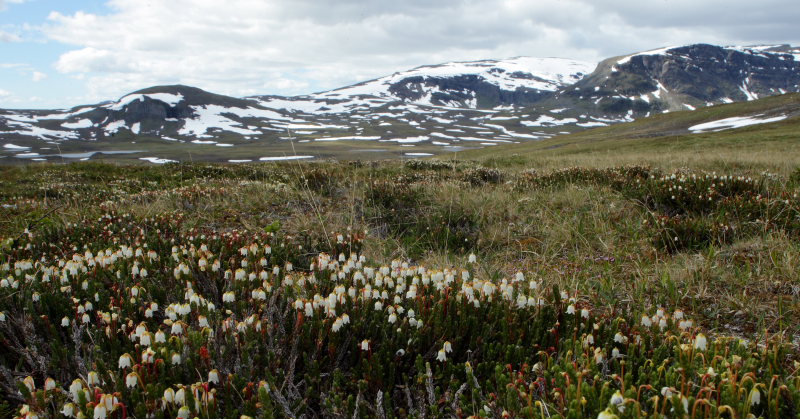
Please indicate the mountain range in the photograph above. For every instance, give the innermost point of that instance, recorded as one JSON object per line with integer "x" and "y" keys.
{"x": 428, "y": 110}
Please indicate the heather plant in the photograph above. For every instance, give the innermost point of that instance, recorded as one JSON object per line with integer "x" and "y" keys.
{"x": 690, "y": 211}
{"x": 482, "y": 175}
{"x": 355, "y": 291}
{"x": 420, "y": 220}
{"x": 415, "y": 164}
{"x": 155, "y": 321}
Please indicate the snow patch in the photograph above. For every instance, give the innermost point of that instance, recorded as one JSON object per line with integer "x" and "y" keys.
{"x": 285, "y": 158}
{"x": 311, "y": 127}
{"x": 157, "y": 160}
{"x": 546, "y": 120}
{"x": 83, "y": 123}
{"x": 735, "y": 122}
{"x": 10, "y": 146}
{"x": 168, "y": 98}
{"x": 30, "y": 130}
{"x": 591, "y": 124}
{"x": 115, "y": 126}
{"x": 659, "y": 51}
{"x": 750, "y": 95}
{"x": 65, "y": 115}
{"x": 353, "y": 138}
{"x": 210, "y": 117}
{"x": 408, "y": 139}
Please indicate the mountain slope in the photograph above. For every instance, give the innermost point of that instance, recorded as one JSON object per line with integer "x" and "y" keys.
{"x": 682, "y": 78}
{"x": 163, "y": 111}
{"x": 728, "y": 133}
{"x": 476, "y": 84}
{"x": 485, "y": 84}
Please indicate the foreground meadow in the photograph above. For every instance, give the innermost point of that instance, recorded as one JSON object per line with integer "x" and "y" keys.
{"x": 399, "y": 289}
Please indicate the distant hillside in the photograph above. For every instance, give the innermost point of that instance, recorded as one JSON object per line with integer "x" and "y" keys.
{"x": 765, "y": 129}
{"x": 476, "y": 84}
{"x": 682, "y": 78}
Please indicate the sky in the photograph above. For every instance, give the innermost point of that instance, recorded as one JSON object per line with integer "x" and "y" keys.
{"x": 64, "y": 53}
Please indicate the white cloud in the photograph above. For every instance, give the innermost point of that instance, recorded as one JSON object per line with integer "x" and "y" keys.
{"x": 38, "y": 76}
{"x": 8, "y": 37}
{"x": 4, "y": 3}
{"x": 12, "y": 101}
{"x": 242, "y": 47}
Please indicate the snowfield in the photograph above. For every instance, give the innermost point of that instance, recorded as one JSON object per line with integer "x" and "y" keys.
{"x": 658, "y": 51}
{"x": 83, "y": 123}
{"x": 285, "y": 158}
{"x": 168, "y": 98}
{"x": 156, "y": 160}
{"x": 352, "y": 138}
{"x": 732, "y": 123}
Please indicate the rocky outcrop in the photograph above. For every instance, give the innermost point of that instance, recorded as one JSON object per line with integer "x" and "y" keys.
{"x": 464, "y": 90}
{"x": 686, "y": 77}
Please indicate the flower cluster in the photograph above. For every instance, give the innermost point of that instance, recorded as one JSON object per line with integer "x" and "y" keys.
{"x": 178, "y": 322}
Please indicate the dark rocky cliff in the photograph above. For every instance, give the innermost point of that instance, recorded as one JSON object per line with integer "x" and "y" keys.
{"x": 693, "y": 75}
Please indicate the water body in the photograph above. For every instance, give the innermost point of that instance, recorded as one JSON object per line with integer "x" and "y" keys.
{"x": 88, "y": 154}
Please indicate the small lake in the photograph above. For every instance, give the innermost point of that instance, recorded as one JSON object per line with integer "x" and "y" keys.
{"x": 88, "y": 154}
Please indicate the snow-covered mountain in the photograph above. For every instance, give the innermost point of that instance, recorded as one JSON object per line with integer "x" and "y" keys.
{"x": 514, "y": 82}
{"x": 438, "y": 108}
{"x": 472, "y": 84}
{"x": 162, "y": 112}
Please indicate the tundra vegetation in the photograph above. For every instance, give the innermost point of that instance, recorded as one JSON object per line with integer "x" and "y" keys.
{"x": 513, "y": 285}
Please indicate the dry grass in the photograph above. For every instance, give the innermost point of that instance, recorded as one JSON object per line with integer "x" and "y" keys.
{"x": 581, "y": 237}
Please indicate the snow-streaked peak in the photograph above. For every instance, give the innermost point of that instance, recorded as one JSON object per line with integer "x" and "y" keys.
{"x": 657, "y": 51}
{"x": 759, "y": 50}
{"x": 546, "y": 74}
{"x": 753, "y": 48}
{"x": 168, "y": 98}
{"x": 764, "y": 50}
{"x": 428, "y": 85}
